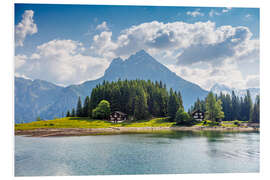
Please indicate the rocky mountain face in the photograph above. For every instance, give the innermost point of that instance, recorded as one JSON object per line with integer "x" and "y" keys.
{"x": 44, "y": 99}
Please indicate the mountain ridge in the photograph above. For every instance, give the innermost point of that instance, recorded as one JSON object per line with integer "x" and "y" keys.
{"x": 217, "y": 88}
{"x": 140, "y": 65}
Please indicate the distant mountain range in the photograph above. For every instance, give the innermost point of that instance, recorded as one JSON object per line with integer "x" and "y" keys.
{"x": 44, "y": 99}
{"x": 217, "y": 88}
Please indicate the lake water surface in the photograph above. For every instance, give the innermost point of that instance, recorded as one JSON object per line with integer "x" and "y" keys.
{"x": 166, "y": 153}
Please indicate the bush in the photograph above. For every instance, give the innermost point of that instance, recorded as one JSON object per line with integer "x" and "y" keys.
{"x": 236, "y": 122}
{"x": 39, "y": 119}
{"x": 182, "y": 117}
{"x": 102, "y": 111}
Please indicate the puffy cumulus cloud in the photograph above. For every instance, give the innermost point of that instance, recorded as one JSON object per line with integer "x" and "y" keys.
{"x": 20, "y": 60}
{"x": 61, "y": 62}
{"x": 253, "y": 81}
{"x": 182, "y": 45}
{"x": 234, "y": 42}
{"x": 25, "y": 27}
{"x": 103, "y": 45}
{"x": 195, "y": 13}
{"x": 164, "y": 37}
{"x": 103, "y": 26}
{"x": 201, "y": 41}
{"x": 206, "y": 77}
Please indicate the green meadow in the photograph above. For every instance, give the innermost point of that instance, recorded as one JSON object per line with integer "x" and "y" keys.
{"x": 80, "y": 122}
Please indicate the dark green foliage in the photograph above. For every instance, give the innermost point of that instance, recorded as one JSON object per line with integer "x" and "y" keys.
{"x": 38, "y": 119}
{"x": 86, "y": 107}
{"x": 174, "y": 103}
{"x": 234, "y": 108}
{"x": 68, "y": 114}
{"x": 256, "y": 110}
{"x": 73, "y": 114}
{"x": 182, "y": 117}
{"x": 102, "y": 111}
{"x": 248, "y": 107}
{"x": 213, "y": 108}
{"x": 140, "y": 106}
{"x": 236, "y": 122}
{"x": 79, "y": 110}
{"x": 137, "y": 98}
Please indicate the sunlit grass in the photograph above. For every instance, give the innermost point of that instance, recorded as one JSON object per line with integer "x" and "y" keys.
{"x": 74, "y": 122}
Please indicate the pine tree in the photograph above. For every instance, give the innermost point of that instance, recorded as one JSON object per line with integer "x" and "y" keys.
{"x": 79, "y": 110}
{"x": 235, "y": 107}
{"x": 68, "y": 114}
{"x": 256, "y": 110}
{"x": 86, "y": 107}
{"x": 140, "y": 109}
{"x": 173, "y": 105}
{"x": 213, "y": 108}
{"x": 73, "y": 113}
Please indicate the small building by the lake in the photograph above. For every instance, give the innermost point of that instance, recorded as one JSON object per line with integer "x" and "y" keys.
{"x": 198, "y": 115}
{"x": 118, "y": 116}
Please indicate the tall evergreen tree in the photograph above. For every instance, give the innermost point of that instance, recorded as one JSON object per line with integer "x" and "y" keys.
{"x": 86, "y": 104}
{"x": 140, "y": 108}
{"x": 68, "y": 114}
{"x": 79, "y": 110}
{"x": 256, "y": 110}
{"x": 173, "y": 105}
{"x": 73, "y": 114}
{"x": 249, "y": 106}
{"x": 213, "y": 108}
{"x": 235, "y": 107}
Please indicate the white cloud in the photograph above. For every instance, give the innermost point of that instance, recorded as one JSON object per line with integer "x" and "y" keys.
{"x": 195, "y": 13}
{"x": 25, "y": 27}
{"x": 253, "y": 81}
{"x": 248, "y": 16}
{"x": 215, "y": 54}
{"x": 227, "y": 74}
{"x": 103, "y": 26}
{"x": 61, "y": 62}
{"x": 103, "y": 45}
{"x": 20, "y": 60}
{"x": 213, "y": 12}
{"x": 201, "y": 39}
{"x": 225, "y": 10}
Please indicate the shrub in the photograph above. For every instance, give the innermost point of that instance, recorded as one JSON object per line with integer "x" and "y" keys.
{"x": 102, "y": 111}
{"x": 38, "y": 119}
{"x": 182, "y": 117}
{"x": 236, "y": 122}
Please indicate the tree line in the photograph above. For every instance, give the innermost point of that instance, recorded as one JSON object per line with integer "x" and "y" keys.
{"x": 139, "y": 99}
{"x": 233, "y": 107}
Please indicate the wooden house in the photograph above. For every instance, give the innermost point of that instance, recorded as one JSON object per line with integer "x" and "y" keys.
{"x": 198, "y": 115}
{"x": 118, "y": 116}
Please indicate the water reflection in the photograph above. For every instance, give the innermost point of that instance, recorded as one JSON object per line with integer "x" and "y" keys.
{"x": 172, "y": 152}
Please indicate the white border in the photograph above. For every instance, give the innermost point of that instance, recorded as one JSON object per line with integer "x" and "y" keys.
{"x": 7, "y": 66}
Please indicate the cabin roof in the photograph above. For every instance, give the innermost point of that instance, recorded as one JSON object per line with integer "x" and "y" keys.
{"x": 119, "y": 112}
{"x": 196, "y": 111}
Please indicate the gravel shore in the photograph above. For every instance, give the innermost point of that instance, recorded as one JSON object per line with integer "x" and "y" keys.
{"x": 52, "y": 132}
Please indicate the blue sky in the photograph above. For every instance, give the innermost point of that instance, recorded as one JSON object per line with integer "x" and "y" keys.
{"x": 83, "y": 39}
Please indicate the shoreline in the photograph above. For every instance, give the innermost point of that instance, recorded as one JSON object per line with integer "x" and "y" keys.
{"x": 56, "y": 132}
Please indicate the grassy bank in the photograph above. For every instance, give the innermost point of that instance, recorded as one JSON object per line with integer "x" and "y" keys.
{"x": 73, "y": 122}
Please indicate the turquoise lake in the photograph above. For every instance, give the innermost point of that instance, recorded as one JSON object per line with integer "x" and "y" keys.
{"x": 166, "y": 153}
